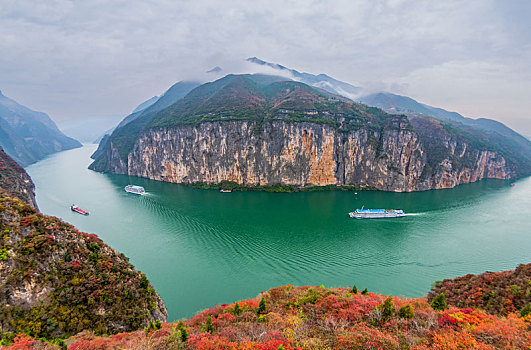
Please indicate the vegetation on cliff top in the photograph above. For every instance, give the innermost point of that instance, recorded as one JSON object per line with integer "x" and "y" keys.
{"x": 498, "y": 293}
{"x": 335, "y": 318}
{"x": 56, "y": 281}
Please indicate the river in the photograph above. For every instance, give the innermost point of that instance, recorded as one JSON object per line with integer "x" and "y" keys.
{"x": 202, "y": 247}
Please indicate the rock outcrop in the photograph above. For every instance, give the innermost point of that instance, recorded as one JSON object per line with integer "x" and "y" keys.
{"x": 301, "y": 154}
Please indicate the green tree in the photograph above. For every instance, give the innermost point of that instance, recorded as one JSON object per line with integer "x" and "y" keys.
{"x": 387, "y": 309}
{"x": 354, "y": 289}
{"x": 183, "y": 331}
{"x": 439, "y": 302}
{"x": 261, "y": 307}
{"x": 209, "y": 327}
{"x": 406, "y": 312}
{"x": 237, "y": 310}
{"x": 364, "y": 292}
{"x": 526, "y": 310}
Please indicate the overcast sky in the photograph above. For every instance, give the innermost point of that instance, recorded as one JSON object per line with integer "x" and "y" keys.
{"x": 75, "y": 58}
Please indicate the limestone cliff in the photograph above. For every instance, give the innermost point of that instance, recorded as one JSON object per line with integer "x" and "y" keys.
{"x": 258, "y": 131}
{"x": 301, "y": 154}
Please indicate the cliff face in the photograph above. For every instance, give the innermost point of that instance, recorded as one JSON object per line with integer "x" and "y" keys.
{"x": 260, "y": 130}
{"x": 15, "y": 180}
{"x": 300, "y": 154}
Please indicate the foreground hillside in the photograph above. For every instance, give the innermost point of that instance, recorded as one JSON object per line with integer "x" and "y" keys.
{"x": 319, "y": 318}
{"x": 56, "y": 281}
{"x": 261, "y": 131}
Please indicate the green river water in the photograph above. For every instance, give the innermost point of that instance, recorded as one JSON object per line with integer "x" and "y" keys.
{"x": 202, "y": 247}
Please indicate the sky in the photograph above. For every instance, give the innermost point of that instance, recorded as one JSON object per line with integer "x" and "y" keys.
{"x": 76, "y": 58}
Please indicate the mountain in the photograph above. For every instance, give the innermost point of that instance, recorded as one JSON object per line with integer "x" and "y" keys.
{"x": 56, "y": 281}
{"x": 321, "y": 81}
{"x": 88, "y": 128}
{"x": 312, "y": 317}
{"x": 259, "y": 130}
{"x": 28, "y": 136}
{"x": 173, "y": 94}
{"x": 145, "y": 111}
{"x": 397, "y": 104}
{"x": 145, "y": 104}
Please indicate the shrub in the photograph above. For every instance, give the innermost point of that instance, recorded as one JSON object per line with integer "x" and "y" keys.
{"x": 406, "y": 312}
{"x": 364, "y": 292}
{"x": 354, "y": 289}
{"x": 526, "y": 310}
{"x": 439, "y": 302}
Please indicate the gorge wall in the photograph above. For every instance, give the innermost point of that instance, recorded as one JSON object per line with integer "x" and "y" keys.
{"x": 392, "y": 158}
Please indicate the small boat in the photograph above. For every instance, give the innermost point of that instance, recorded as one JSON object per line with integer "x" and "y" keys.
{"x": 225, "y": 191}
{"x": 78, "y": 210}
{"x": 376, "y": 213}
{"x": 512, "y": 184}
{"x": 135, "y": 189}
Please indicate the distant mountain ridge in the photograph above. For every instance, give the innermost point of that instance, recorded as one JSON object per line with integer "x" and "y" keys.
{"x": 28, "y": 136}
{"x": 396, "y": 104}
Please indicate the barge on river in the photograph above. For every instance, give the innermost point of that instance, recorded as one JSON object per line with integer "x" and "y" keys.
{"x": 78, "y": 210}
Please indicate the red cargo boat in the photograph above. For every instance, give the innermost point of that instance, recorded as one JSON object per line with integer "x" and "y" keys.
{"x": 78, "y": 210}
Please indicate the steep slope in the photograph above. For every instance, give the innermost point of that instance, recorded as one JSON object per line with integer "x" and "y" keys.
{"x": 15, "y": 181}
{"x": 56, "y": 281}
{"x": 259, "y": 130}
{"x": 307, "y": 317}
{"x": 28, "y": 136}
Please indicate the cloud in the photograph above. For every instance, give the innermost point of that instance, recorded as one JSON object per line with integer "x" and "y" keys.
{"x": 91, "y": 57}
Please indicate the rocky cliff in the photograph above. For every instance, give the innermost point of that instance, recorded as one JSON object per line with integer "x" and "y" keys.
{"x": 301, "y": 137}
{"x": 15, "y": 180}
{"x": 302, "y": 154}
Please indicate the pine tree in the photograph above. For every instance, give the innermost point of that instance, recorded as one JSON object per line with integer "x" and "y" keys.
{"x": 354, "y": 289}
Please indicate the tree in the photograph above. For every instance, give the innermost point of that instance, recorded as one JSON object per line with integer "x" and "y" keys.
{"x": 439, "y": 302}
{"x": 388, "y": 310}
{"x": 354, "y": 289}
{"x": 364, "y": 292}
{"x": 406, "y": 312}
{"x": 209, "y": 327}
{"x": 261, "y": 307}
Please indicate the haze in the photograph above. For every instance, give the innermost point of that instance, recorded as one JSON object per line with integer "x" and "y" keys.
{"x": 71, "y": 59}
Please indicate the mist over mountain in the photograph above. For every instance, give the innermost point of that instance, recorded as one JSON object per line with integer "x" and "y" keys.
{"x": 397, "y": 104}
{"x": 27, "y": 135}
{"x": 88, "y": 128}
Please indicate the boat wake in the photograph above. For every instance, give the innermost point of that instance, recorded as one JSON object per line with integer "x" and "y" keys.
{"x": 414, "y": 214}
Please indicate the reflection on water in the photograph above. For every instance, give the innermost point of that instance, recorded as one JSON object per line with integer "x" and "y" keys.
{"x": 202, "y": 247}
